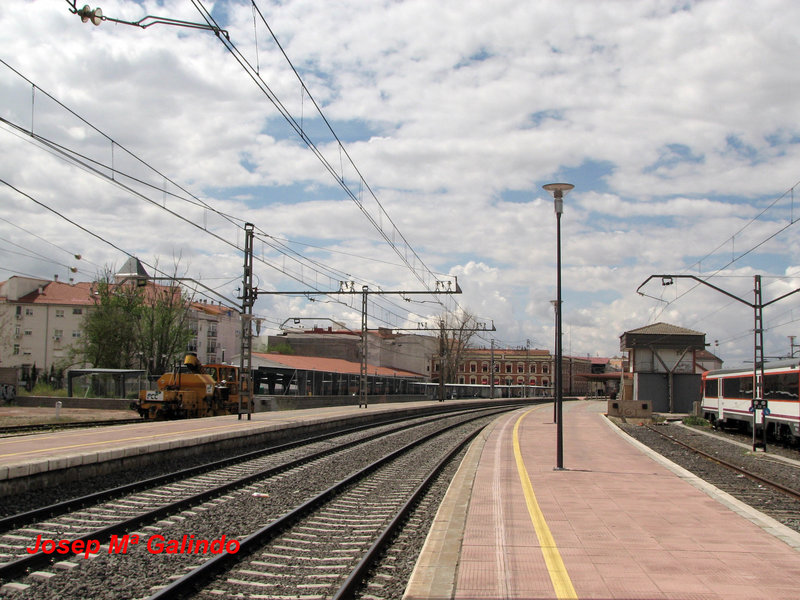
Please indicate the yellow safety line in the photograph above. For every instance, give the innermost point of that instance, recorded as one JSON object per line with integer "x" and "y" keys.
{"x": 552, "y": 557}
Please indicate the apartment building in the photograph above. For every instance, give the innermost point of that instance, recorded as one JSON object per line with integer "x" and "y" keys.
{"x": 41, "y": 319}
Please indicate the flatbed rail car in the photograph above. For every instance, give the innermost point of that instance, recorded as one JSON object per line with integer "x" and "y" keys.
{"x": 728, "y": 395}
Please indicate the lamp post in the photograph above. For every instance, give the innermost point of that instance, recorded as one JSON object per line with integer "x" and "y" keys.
{"x": 557, "y": 190}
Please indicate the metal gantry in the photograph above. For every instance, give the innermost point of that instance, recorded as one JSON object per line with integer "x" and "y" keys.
{"x": 349, "y": 287}
{"x": 759, "y": 402}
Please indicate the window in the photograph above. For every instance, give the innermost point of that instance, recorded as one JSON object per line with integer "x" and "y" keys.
{"x": 781, "y": 386}
{"x": 28, "y": 332}
{"x": 520, "y": 367}
{"x": 77, "y": 311}
{"x": 508, "y": 367}
{"x": 472, "y": 379}
{"x": 737, "y": 387}
{"x": 711, "y": 388}
{"x": 76, "y": 333}
{"x": 484, "y": 367}
{"x": 58, "y": 333}
{"x": 29, "y": 311}
{"x": 473, "y": 367}
{"x": 59, "y": 313}
{"x": 545, "y": 368}
{"x": 16, "y": 348}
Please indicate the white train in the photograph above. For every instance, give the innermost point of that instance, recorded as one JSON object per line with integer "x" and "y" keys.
{"x": 728, "y": 395}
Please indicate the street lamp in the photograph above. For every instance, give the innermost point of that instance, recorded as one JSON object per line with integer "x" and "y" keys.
{"x": 557, "y": 190}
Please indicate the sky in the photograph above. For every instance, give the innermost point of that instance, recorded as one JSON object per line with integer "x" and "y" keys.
{"x": 395, "y": 144}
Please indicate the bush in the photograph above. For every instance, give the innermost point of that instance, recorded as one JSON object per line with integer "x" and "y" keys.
{"x": 696, "y": 421}
{"x": 42, "y": 389}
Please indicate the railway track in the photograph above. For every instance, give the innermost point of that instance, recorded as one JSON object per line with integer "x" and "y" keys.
{"x": 766, "y": 482}
{"x": 12, "y": 430}
{"x": 265, "y": 489}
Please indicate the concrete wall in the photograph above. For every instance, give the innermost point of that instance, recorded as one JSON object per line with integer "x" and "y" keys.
{"x": 273, "y": 403}
{"x": 50, "y": 402}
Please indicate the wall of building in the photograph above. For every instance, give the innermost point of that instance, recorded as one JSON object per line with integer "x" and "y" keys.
{"x": 645, "y": 360}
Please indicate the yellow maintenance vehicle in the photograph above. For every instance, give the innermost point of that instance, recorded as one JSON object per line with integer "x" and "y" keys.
{"x": 192, "y": 390}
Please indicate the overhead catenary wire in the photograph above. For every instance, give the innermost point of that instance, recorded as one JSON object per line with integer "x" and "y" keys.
{"x": 735, "y": 258}
{"x": 254, "y": 74}
{"x": 115, "y": 173}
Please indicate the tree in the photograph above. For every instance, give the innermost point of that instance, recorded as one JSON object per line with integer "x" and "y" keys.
{"x": 132, "y": 325}
{"x": 162, "y": 330}
{"x": 108, "y": 337}
{"x": 456, "y": 331}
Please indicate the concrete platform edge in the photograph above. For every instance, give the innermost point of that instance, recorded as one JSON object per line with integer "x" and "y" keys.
{"x": 768, "y": 524}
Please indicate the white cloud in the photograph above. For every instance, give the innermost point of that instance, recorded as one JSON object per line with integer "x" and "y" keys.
{"x": 676, "y": 121}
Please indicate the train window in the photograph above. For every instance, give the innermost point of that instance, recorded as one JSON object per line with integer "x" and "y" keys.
{"x": 781, "y": 386}
{"x": 712, "y": 388}
{"x": 737, "y": 387}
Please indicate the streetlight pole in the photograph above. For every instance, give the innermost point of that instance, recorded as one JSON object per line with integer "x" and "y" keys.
{"x": 557, "y": 190}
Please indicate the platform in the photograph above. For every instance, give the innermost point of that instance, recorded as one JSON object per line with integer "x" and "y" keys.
{"x": 618, "y": 522}
{"x": 29, "y": 462}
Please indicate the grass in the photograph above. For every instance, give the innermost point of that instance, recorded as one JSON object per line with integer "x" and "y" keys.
{"x": 696, "y": 421}
{"x": 42, "y": 389}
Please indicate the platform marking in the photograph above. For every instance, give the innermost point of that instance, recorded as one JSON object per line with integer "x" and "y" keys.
{"x": 552, "y": 557}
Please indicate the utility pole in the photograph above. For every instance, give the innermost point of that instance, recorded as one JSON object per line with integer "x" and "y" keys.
{"x": 792, "y": 345}
{"x": 362, "y": 397}
{"x": 248, "y": 298}
{"x": 443, "y": 345}
{"x": 527, "y": 366}
{"x": 491, "y": 369}
{"x": 349, "y": 287}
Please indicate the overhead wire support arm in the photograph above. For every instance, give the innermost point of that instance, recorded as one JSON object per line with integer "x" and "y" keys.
{"x": 96, "y": 16}
{"x": 350, "y": 287}
{"x": 759, "y": 402}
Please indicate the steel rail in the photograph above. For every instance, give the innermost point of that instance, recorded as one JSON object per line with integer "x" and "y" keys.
{"x": 348, "y": 589}
{"x": 749, "y": 474}
{"x": 22, "y": 565}
{"x": 192, "y": 581}
{"x": 59, "y": 508}
{"x": 37, "y": 427}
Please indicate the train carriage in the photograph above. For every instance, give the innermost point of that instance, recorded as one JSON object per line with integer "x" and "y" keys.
{"x": 728, "y": 396}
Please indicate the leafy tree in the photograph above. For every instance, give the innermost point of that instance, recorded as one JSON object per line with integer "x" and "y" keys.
{"x": 162, "y": 330}
{"x": 131, "y": 326}
{"x": 109, "y": 338}
{"x": 282, "y": 348}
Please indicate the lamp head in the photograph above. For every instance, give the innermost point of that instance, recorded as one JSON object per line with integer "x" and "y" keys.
{"x": 558, "y": 190}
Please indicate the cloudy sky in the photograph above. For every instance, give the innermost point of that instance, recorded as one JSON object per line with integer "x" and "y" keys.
{"x": 405, "y": 142}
